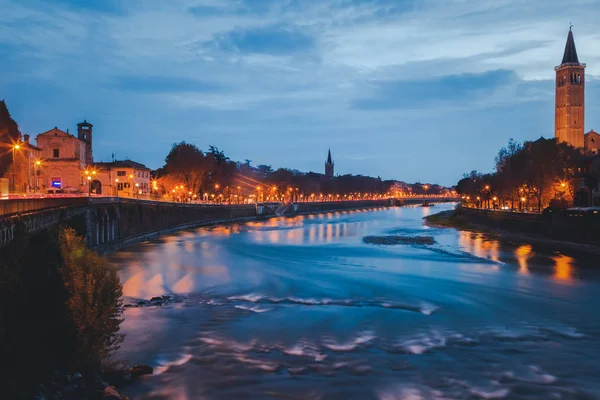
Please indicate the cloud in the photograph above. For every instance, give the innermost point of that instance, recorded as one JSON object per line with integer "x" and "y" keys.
{"x": 273, "y": 40}
{"x": 464, "y": 89}
{"x": 101, "y": 6}
{"x": 395, "y": 88}
{"x": 164, "y": 84}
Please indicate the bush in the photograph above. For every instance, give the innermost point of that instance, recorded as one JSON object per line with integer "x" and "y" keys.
{"x": 94, "y": 300}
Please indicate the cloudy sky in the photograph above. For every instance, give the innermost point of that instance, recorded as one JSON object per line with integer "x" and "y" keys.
{"x": 416, "y": 90}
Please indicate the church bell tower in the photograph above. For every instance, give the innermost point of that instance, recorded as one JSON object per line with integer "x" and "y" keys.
{"x": 84, "y": 133}
{"x": 570, "y": 100}
{"x": 329, "y": 166}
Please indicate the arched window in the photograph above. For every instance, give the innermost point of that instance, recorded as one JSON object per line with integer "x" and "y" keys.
{"x": 578, "y": 78}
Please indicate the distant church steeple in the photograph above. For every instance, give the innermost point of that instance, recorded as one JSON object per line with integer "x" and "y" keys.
{"x": 570, "y": 97}
{"x": 329, "y": 166}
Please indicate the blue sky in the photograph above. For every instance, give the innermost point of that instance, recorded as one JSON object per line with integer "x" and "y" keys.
{"x": 410, "y": 90}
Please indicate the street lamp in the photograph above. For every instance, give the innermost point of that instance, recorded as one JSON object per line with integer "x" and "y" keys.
{"x": 38, "y": 164}
{"x": 89, "y": 179}
{"x": 117, "y": 186}
{"x": 14, "y": 147}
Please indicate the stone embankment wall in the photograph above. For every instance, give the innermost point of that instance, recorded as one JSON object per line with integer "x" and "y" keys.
{"x": 109, "y": 223}
{"x": 557, "y": 226}
{"x": 112, "y": 225}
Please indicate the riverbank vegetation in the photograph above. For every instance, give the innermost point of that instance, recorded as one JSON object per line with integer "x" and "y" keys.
{"x": 449, "y": 219}
{"x": 192, "y": 174}
{"x": 60, "y": 311}
{"x": 527, "y": 175}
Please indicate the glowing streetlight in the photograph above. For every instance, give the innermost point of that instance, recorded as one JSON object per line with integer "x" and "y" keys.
{"x": 15, "y": 147}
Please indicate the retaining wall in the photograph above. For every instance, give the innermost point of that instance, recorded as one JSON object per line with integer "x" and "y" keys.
{"x": 556, "y": 226}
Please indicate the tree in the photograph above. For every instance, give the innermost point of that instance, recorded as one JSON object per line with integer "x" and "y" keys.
{"x": 94, "y": 300}
{"x": 264, "y": 171}
{"x": 509, "y": 176}
{"x": 185, "y": 164}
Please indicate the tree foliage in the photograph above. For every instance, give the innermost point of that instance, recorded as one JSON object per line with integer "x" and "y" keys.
{"x": 536, "y": 171}
{"x": 94, "y": 299}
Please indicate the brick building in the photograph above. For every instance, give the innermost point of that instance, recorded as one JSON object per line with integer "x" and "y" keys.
{"x": 570, "y": 97}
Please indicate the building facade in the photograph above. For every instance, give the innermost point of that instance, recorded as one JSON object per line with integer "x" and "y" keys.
{"x": 592, "y": 143}
{"x": 329, "y": 166}
{"x": 570, "y": 99}
{"x": 120, "y": 178}
{"x": 64, "y": 157}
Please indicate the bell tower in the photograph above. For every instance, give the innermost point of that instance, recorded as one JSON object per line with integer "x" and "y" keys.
{"x": 570, "y": 101}
{"x": 84, "y": 133}
{"x": 329, "y": 166}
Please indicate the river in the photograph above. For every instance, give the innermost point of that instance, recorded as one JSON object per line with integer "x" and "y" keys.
{"x": 301, "y": 308}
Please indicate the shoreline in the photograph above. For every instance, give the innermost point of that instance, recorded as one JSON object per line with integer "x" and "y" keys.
{"x": 451, "y": 219}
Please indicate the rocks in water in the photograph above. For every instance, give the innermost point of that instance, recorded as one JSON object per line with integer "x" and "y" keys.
{"x": 397, "y": 239}
{"x": 111, "y": 393}
{"x": 65, "y": 386}
{"x": 156, "y": 301}
{"x": 139, "y": 370}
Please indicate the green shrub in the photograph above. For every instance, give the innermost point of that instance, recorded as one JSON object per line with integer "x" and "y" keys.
{"x": 94, "y": 300}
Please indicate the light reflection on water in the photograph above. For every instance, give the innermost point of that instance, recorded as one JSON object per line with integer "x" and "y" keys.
{"x": 301, "y": 308}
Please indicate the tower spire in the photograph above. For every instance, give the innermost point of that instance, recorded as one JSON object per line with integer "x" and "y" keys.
{"x": 570, "y": 55}
{"x": 329, "y": 165}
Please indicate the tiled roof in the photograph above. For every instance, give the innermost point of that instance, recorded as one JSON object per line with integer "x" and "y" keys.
{"x": 121, "y": 164}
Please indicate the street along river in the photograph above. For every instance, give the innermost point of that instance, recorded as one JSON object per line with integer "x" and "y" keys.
{"x": 301, "y": 308}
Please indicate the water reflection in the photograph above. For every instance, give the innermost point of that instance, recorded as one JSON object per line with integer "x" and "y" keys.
{"x": 479, "y": 246}
{"x": 522, "y": 254}
{"x": 563, "y": 268}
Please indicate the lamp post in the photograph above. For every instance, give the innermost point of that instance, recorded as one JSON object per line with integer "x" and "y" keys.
{"x": 14, "y": 147}
{"x": 38, "y": 163}
{"x": 117, "y": 186}
{"x": 89, "y": 179}
{"x": 131, "y": 185}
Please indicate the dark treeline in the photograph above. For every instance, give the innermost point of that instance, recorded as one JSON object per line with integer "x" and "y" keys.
{"x": 190, "y": 173}
{"x": 528, "y": 175}
{"x": 9, "y": 134}
{"x": 59, "y": 311}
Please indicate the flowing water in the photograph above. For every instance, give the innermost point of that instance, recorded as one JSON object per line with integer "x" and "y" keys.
{"x": 301, "y": 308}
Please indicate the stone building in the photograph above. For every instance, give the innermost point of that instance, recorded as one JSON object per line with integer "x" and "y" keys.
{"x": 123, "y": 178}
{"x": 592, "y": 143}
{"x": 329, "y": 166}
{"x": 570, "y": 100}
{"x": 64, "y": 157}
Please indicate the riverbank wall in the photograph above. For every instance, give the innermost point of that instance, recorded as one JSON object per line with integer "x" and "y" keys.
{"x": 554, "y": 226}
{"x": 140, "y": 222}
{"x": 110, "y": 223}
